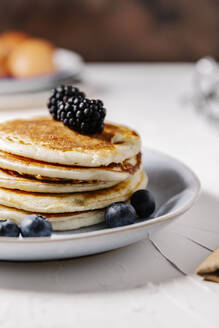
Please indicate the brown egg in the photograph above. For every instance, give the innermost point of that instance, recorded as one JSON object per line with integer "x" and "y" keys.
{"x": 8, "y": 42}
{"x": 3, "y": 63}
{"x": 3, "y": 67}
{"x": 31, "y": 57}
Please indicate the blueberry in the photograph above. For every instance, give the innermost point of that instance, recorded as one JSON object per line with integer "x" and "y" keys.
{"x": 119, "y": 214}
{"x": 9, "y": 229}
{"x": 35, "y": 226}
{"x": 143, "y": 202}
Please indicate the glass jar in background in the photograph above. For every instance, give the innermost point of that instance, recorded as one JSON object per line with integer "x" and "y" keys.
{"x": 206, "y": 88}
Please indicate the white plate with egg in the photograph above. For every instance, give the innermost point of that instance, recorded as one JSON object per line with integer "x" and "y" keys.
{"x": 175, "y": 188}
{"x": 69, "y": 66}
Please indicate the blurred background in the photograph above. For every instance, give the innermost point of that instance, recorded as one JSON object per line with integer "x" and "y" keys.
{"x": 120, "y": 30}
{"x": 46, "y": 43}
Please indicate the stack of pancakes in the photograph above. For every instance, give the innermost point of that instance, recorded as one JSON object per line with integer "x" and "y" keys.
{"x": 65, "y": 176}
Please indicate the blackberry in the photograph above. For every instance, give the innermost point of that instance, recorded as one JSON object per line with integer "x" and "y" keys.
{"x": 82, "y": 115}
{"x": 60, "y": 95}
{"x": 69, "y": 105}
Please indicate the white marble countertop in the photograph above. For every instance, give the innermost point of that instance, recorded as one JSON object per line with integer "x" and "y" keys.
{"x": 137, "y": 285}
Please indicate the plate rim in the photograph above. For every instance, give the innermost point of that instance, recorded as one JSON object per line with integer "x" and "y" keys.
{"x": 99, "y": 233}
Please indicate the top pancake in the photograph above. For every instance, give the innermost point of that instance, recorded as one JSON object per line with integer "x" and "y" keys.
{"x": 45, "y": 139}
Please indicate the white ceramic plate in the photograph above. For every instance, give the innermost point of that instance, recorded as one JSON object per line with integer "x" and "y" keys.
{"x": 68, "y": 66}
{"x": 175, "y": 188}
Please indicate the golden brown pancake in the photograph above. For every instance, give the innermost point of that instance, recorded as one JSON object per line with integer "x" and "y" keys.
{"x": 13, "y": 180}
{"x": 54, "y": 172}
{"x": 45, "y": 167}
{"x": 54, "y": 135}
{"x": 68, "y": 220}
{"x": 59, "y": 221}
{"x": 45, "y": 139}
{"x": 72, "y": 202}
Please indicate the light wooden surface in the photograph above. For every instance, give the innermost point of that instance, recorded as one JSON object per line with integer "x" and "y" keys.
{"x": 151, "y": 283}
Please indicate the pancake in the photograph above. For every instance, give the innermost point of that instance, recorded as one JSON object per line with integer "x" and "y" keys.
{"x": 60, "y": 222}
{"x": 113, "y": 172}
{"x": 64, "y": 203}
{"x": 13, "y": 180}
{"x": 45, "y": 139}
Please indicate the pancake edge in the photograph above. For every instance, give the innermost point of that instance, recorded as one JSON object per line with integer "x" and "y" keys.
{"x": 76, "y": 173}
{"x": 124, "y": 149}
{"x": 65, "y": 223}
